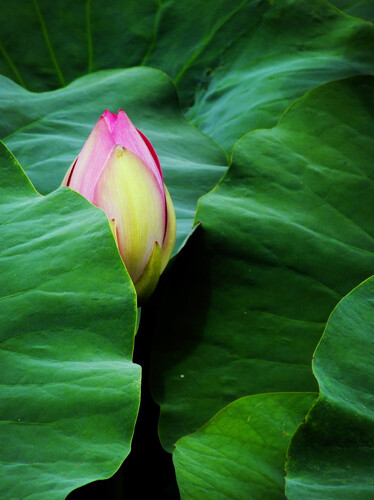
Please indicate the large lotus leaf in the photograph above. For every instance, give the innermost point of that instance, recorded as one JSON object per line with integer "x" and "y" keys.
{"x": 358, "y": 8}
{"x": 283, "y": 52}
{"x": 332, "y": 455}
{"x": 242, "y": 61}
{"x": 284, "y": 236}
{"x": 47, "y": 130}
{"x": 45, "y": 45}
{"x": 240, "y": 453}
{"x": 63, "y": 40}
{"x": 69, "y": 391}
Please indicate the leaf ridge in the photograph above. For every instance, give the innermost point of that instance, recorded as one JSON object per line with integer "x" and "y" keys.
{"x": 89, "y": 36}
{"x": 155, "y": 33}
{"x": 49, "y": 45}
{"x": 206, "y": 42}
{"x": 12, "y": 66}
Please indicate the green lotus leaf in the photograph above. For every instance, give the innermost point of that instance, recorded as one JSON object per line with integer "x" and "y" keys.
{"x": 240, "y": 453}
{"x": 358, "y": 8}
{"x": 332, "y": 455}
{"x": 69, "y": 391}
{"x": 237, "y": 63}
{"x": 285, "y": 235}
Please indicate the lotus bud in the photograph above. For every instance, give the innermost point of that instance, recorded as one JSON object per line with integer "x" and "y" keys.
{"x": 119, "y": 172}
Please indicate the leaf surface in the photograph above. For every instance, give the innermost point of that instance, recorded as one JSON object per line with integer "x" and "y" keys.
{"x": 357, "y": 8}
{"x": 70, "y": 393}
{"x": 238, "y": 63}
{"x": 332, "y": 455}
{"x": 285, "y": 235}
{"x": 240, "y": 452}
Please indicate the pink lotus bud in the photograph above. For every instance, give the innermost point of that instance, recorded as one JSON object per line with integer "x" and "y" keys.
{"x": 119, "y": 172}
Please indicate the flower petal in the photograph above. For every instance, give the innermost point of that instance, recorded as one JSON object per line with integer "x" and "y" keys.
{"x": 152, "y": 151}
{"x": 66, "y": 179}
{"x": 171, "y": 231}
{"x": 110, "y": 119}
{"x": 128, "y": 192}
{"x": 148, "y": 281}
{"x": 112, "y": 225}
{"x": 125, "y": 134}
{"x": 91, "y": 160}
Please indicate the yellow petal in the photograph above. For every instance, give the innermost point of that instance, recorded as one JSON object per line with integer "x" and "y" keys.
{"x": 148, "y": 281}
{"x": 128, "y": 192}
{"x": 112, "y": 225}
{"x": 171, "y": 231}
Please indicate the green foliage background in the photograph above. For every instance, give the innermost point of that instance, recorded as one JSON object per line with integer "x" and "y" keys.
{"x": 281, "y": 92}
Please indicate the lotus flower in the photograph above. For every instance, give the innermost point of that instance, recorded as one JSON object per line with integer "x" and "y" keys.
{"x": 119, "y": 172}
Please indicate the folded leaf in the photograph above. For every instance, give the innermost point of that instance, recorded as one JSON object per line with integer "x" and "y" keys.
{"x": 69, "y": 391}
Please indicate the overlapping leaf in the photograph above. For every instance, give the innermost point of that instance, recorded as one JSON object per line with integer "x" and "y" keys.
{"x": 332, "y": 455}
{"x": 240, "y": 63}
{"x": 45, "y": 45}
{"x": 70, "y": 393}
{"x": 46, "y": 131}
{"x": 281, "y": 50}
{"x": 284, "y": 236}
{"x": 240, "y": 453}
{"x": 358, "y": 8}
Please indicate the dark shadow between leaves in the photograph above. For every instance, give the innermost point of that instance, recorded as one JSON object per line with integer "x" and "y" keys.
{"x": 177, "y": 312}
